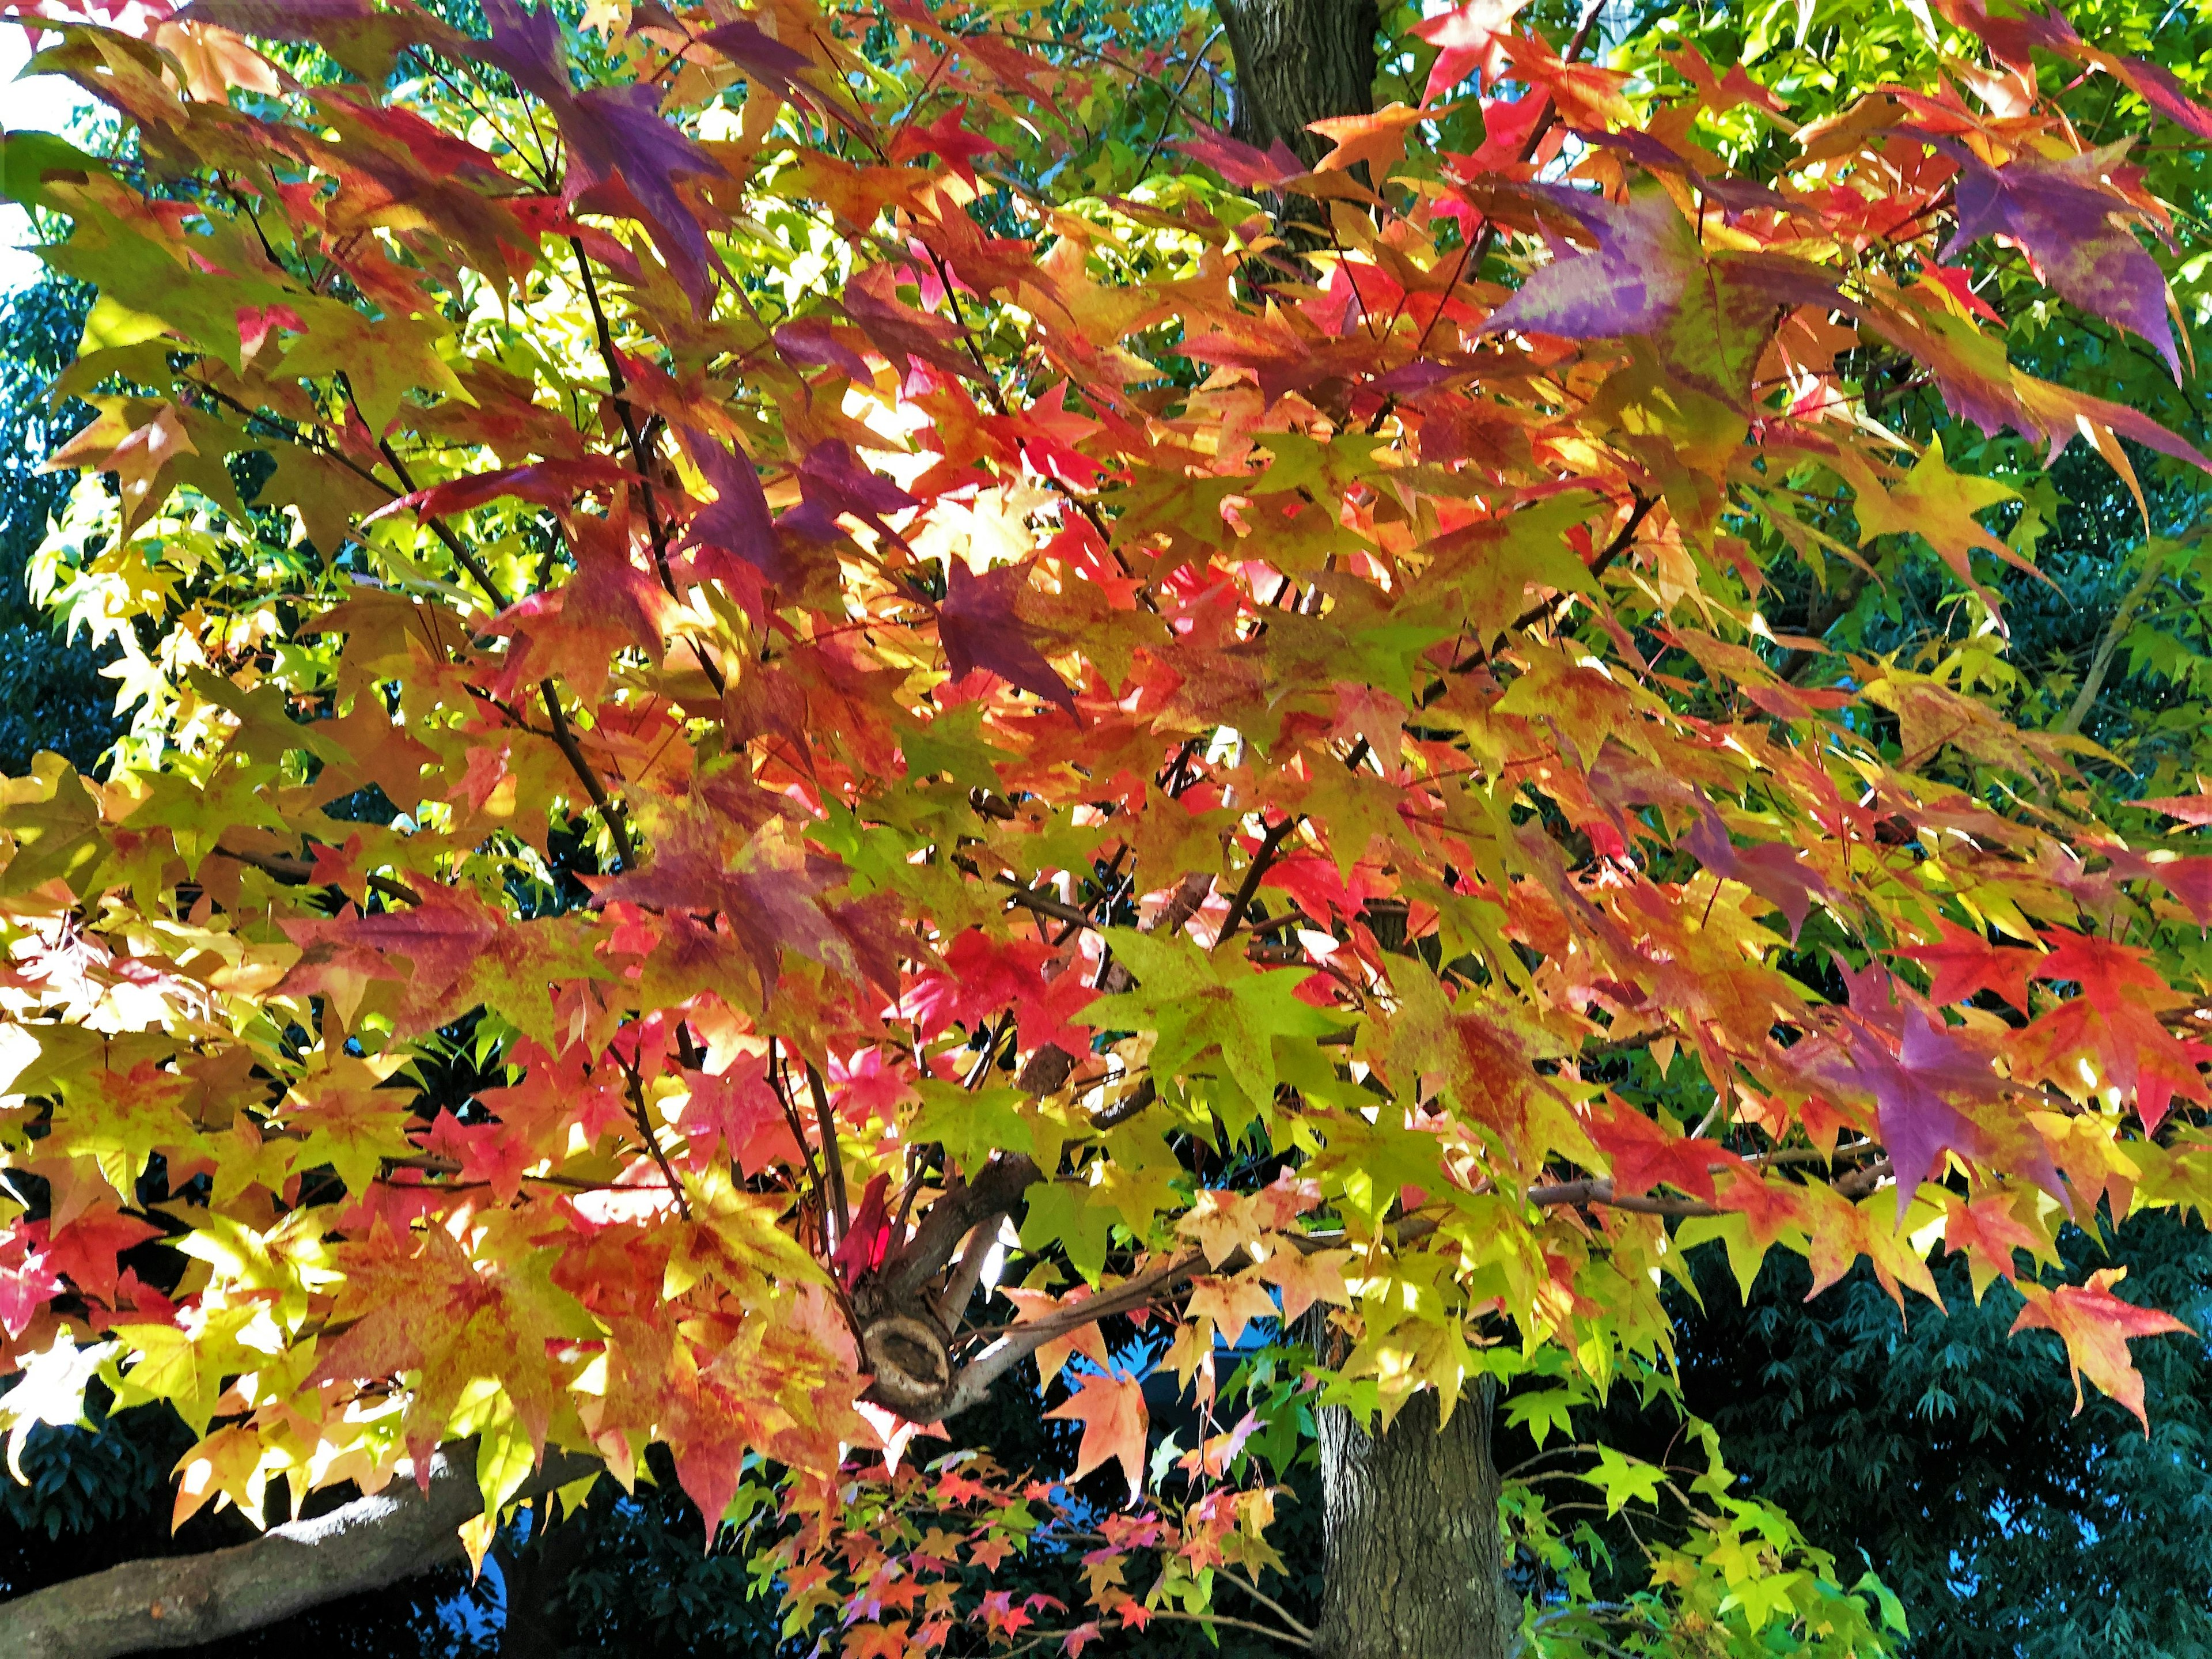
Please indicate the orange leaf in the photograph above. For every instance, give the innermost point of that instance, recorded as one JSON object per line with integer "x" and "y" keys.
{"x": 2096, "y": 1326}
{"x": 1114, "y": 1419}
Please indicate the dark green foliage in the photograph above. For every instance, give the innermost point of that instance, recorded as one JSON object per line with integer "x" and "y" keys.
{"x": 628, "y": 1576}
{"x": 51, "y": 696}
{"x": 1950, "y": 1458}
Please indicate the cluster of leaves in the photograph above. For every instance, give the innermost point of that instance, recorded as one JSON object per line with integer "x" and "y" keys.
{"x": 740, "y": 741}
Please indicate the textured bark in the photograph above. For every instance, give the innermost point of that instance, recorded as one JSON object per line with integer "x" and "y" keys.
{"x": 1299, "y": 61}
{"x": 1415, "y": 1566}
{"x": 184, "y": 1601}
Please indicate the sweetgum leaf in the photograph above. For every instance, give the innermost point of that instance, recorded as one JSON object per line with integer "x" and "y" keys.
{"x": 978, "y": 627}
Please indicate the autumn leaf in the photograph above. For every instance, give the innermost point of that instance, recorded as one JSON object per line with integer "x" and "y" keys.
{"x": 2096, "y": 1327}
{"x": 978, "y": 629}
{"x": 1965, "y": 962}
{"x": 1112, "y": 1411}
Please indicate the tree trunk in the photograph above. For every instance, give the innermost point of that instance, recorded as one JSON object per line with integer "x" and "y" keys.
{"x": 1299, "y": 61}
{"x": 1415, "y": 1563}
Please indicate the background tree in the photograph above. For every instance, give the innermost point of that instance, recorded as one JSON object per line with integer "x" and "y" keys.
{"x": 723, "y": 687}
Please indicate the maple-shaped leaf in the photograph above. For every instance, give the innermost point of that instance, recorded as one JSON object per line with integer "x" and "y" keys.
{"x": 1374, "y": 140}
{"x": 871, "y": 1640}
{"x": 1774, "y": 871}
{"x": 1934, "y": 503}
{"x": 1917, "y": 1090}
{"x": 760, "y": 55}
{"x": 225, "y": 1464}
{"x": 948, "y": 140}
{"x": 1721, "y": 94}
{"x": 814, "y": 340}
{"x": 2097, "y": 1328}
{"x": 978, "y": 627}
{"x": 2113, "y": 1026}
{"x": 736, "y": 520}
{"x": 426, "y": 947}
{"x": 1229, "y": 1305}
{"x": 982, "y": 975}
{"x": 2014, "y": 36}
{"x": 1114, "y": 1419}
{"x": 1200, "y": 1006}
{"x": 737, "y": 1112}
{"x": 833, "y": 480}
{"x": 903, "y": 334}
{"x": 83, "y": 1250}
{"x": 28, "y": 1281}
{"x": 1304, "y": 1277}
{"x": 1987, "y": 1231}
{"x": 1240, "y": 163}
{"x": 1965, "y": 963}
{"x": 612, "y": 133}
{"x": 1466, "y": 37}
{"x": 549, "y": 484}
{"x": 1709, "y": 316}
{"x": 767, "y": 888}
{"x": 1643, "y": 1154}
{"x": 2071, "y": 225}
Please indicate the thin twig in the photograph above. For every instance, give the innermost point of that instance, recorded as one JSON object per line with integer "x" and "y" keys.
{"x": 1262, "y": 860}
{"x": 644, "y": 1122}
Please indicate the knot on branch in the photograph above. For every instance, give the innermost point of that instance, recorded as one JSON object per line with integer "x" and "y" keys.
{"x": 913, "y": 1366}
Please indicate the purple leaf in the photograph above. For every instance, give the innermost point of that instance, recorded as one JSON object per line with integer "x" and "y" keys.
{"x": 765, "y": 60}
{"x": 1772, "y": 871}
{"x": 2064, "y": 219}
{"x": 900, "y": 333}
{"x": 1913, "y": 1092}
{"x": 738, "y": 521}
{"x": 812, "y": 340}
{"x": 2013, "y": 40}
{"x": 978, "y": 629}
{"x": 834, "y": 481}
{"x": 612, "y": 133}
{"x": 1631, "y": 282}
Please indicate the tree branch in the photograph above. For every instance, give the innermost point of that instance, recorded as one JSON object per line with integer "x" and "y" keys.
{"x": 186, "y": 1601}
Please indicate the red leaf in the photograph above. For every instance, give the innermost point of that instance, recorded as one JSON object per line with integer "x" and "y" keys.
{"x": 27, "y": 1282}
{"x": 1643, "y": 1155}
{"x": 946, "y": 139}
{"x": 1967, "y": 963}
{"x": 867, "y": 1237}
{"x": 1239, "y": 162}
{"x": 1466, "y": 37}
{"x": 549, "y": 484}
{"x": 84, "y": 1249}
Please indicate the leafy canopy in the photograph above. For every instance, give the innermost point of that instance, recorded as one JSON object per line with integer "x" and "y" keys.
{"x": 774, "y": 687}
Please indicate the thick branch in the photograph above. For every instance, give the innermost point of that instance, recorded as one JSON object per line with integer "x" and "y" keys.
{"x": 994, "y": 1192}
{"x": 194, "y": 1599}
